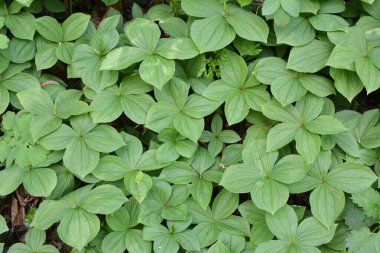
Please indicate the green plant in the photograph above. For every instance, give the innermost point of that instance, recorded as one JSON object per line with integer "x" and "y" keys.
{"x": 34, "y": 242}
{"x": 226, "y": 126}
{"x": 3, "y": 228}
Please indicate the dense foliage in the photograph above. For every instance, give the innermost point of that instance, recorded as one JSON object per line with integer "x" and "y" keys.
{"x": 196, "y": 126}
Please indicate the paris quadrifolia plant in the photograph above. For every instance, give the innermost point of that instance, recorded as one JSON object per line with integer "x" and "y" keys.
{"x": 220, "y": 126}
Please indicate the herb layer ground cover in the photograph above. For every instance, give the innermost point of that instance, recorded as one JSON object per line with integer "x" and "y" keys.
{"x": 220, "y": 126}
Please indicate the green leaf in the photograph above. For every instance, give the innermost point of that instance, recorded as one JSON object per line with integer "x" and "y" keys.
{"x": 371, "y": 138}
{"x": 178, "y": 173}
{"x": 269, "y": 195}
{"x": 201, "y": 190}
{"x": 218, "y": 247}
{"x": 270, "y": 7}
{"x": 35, "y": 238}
{"x": 312, "y": 233}
{"x": 122, "y": 58}
{"x": 59, "y": 139}
{"x": 110, "y": 2}
{"x": 136, "y": 244}
{"x": 21, "y": 25}
{"x": 67, "y": 104}
{"x": 3, "y": 225}
{"x": 106, "y": 106}
{"x": 4, "y": 41}
{"x": 160, "y": 12}
{"x": 273, "y": 246}
{"x": 240, "y": 178}
{"x": 188, "y": 240}
{"x": 177, "y": 48}
{"x": 291, "y": 7}
{"x": 236, "y": 108}
{"x": 79, "y": 158}
{"x": 64, "y": 52}
{"x": 15, "y": 177}
{"x": 138, "y": 184}
{"x": 46, "y": 58}
{"x": 309, "y": 6}
{"x": 344, "y": 56}
{"x": 189, "y": 127}
{"x": 283, "y": 223}
{"x": 19, "y": 247}
{"x": 359, "y": 177}
{"x": 325, "y": 124}
{"x": 280, "y": 135}
{"x": 198, "y": 106}
{"x": 114, "y": 242}
{"x": 309, "y": 58}
{"x": 4, "y": 99}
{"x": 372, "y": 9}
{"x": 368, "y": 74}
{"x": 269, "y": 69}
{"x": 74, "y": 26}
{"x": 49, "y": 28}
{"x": 143, "y": 33}
{"x": 328, "y": 23}
{"x": 281, "y": 17}
{"x": 165, "y": 244}
{"x": 234, "y": 225}
{"x": 247, "y": 25}
{"x": 275, "y": 111}
{"x": 157, "y": 70}
{"x": 160, "y": 116}
{"x": 317, "y": 84}
{"x": 308, "y": 144}
{"x": 104, "y": 139}
{"x": 25, "y": 2}
{"x": 40, "y": 181}
{"x": 110, "y": 168}
{"x": 297, "y": 32}
{"x": 332, "y": 6}
{"x": 78, "y": 227}
{"x": 289, "y": 169}
{"x": 212, "y": 33}
{"x": 21, "y": 51}
{"x": 199, "y": 8}
{"x": 104, "y": 199}
{"x": 287, "y": 89}
{"x": 326, "y": 204}
{"x": 309, "y": 107}
{"x": 225, "y": 205}
{"x": 233, "y": 69}
{"x": 36, "y": 101}
{"x": 167, "y": 153}
{"x": 175, "y": 27}
{"x": 346, "y": 82}
{"x": 48, "y": 213}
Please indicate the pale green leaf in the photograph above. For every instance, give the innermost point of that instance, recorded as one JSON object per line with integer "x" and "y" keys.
{"x": 269, "y": 195}
{"x": 212, "y": 33}
{"x": 104, "y": 199}
{"x": 247, "y": 25}
{"x": 309, "y": 58}
{"x": 157, "y": 70}
{"x": 77, "y": 228}
{"x": 297, "y": 32}
{"x": 359, "y": 177}
{"x": 326, "y": 204}
{"x": 40, "y": 181}
{"x": 74, "y": 26}
{"x": 143, "y": 33}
